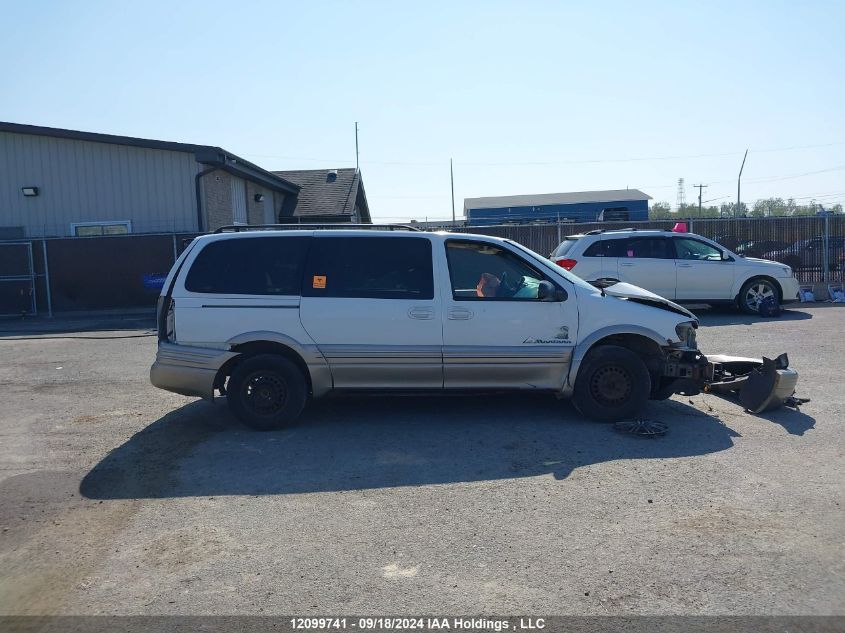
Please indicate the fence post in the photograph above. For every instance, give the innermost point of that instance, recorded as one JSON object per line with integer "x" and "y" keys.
{"x": 558, "y": 228}
{"x": 691, "y": 225}
{"x": 826, "y": 256}
{"x": 47, "y": 279}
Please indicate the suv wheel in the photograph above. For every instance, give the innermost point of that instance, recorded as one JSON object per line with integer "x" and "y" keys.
{"x": 753, "y": 292}
{"x": 266, "y": 392}
{"x": 613, "y": 383}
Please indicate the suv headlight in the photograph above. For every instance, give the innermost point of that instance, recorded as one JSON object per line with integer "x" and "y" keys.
{"x": 686, "y": 333}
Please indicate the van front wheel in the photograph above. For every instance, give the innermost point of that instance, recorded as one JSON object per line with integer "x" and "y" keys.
{"x": 266, "y": 392}
{"x": 613, "y": 383}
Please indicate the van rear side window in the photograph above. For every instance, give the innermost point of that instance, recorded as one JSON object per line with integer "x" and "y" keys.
{"x": 250, "y": 266}
{"x": 370, "y": 268}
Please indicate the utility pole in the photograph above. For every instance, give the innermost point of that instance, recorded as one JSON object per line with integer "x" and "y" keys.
{"x": 452, "y": 179}
{"x": 738, "y": 179}
{"x": 356, "y": 146}
{"x": 700, "y": 187}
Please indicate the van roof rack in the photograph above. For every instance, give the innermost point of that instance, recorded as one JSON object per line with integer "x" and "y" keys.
{"x": 238, "y": 228}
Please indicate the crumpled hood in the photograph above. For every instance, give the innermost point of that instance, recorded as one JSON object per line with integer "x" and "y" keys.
{"x": 630, "y": 292}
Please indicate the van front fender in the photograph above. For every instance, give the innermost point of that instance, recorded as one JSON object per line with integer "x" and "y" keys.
{"x": 584, "y": 346}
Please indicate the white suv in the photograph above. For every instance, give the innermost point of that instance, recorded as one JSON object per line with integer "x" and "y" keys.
{"x": 683, "y": 267}
{"x": 270, "y": 317}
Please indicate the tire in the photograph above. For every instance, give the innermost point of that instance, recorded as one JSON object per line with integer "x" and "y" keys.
{"x": 613, "y": 384}
{"x": 266, "y": 392}
{"x": 752, "y": 291}
{"x": 662, "y": 388}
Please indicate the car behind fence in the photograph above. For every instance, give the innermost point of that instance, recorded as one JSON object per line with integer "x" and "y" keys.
{"x": 813, "y": 246}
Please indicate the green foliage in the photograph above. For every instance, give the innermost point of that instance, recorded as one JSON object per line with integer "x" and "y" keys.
{"x": 660, "y": 211}
{"x": 766, "y": 207}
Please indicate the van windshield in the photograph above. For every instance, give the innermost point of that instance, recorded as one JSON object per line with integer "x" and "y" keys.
{"x": 560, "y": 271}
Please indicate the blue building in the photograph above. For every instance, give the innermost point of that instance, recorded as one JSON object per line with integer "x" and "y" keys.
{"x": 579, "y": 206}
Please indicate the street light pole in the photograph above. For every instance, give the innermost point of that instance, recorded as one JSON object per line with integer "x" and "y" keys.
{"x": 738, "y": 179}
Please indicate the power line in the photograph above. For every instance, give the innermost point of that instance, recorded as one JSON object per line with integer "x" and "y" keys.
{"x": 553, "y": 162}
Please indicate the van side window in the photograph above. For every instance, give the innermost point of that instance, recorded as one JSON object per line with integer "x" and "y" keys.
{"x": 249, "y": 266}
{"x": 370, "y": 268}
{"x": 483, "y": 271}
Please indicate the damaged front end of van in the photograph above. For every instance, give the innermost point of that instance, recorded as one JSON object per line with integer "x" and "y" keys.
{"x": 759, "y": 384}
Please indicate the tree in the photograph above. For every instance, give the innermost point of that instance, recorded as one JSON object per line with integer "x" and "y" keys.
{"x": 728, "y": 210}
{"x": 691, "y": 211}
{"x": 768, "y": 207}
{"x": 660, "y": 211}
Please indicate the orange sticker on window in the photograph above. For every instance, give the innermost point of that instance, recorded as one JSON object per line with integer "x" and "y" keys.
{"x": 319, "y": 281}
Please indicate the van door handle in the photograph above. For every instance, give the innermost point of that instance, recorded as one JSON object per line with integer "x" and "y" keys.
{"x": 626, "y": 263}
{"x": 421, "y": 312}
{"x": 460, "y": 314}
{"x": 684, "y": 265}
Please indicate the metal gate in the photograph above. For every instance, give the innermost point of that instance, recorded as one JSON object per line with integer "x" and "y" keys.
{"x": 17, "y": 279}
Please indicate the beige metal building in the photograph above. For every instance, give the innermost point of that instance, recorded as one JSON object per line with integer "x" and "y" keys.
{"x": 65, "y": 183}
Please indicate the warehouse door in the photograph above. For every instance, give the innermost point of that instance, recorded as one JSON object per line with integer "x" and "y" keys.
{"x": 17, "y": 279}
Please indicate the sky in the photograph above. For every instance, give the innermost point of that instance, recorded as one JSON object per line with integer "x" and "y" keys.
{"x": 525, "y": 97}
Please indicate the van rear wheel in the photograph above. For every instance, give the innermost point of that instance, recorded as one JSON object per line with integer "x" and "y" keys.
{"x": 266, "y": 392}
{"x": 613, "y": 384}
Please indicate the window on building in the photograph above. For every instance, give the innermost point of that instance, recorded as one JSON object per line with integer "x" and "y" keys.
{"x": 249, "y": 266}
{"x": 239, "y": 213}
{"x": 90, "y": 229}
{"x": 370, "y": 268}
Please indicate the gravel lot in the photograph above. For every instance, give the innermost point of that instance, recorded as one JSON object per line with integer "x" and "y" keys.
{"x": 117, "y": 498}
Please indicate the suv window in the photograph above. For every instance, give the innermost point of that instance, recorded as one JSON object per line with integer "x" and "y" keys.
{"x": 249, "y": 266}
{"x": 604, "y": 248}
{"x": 688, "y": 248}
{"x": 645, "y": 247}
{"x": 484, "y": 271}
{"x": 370, "y": 268}
{"x": 564, "y": 247}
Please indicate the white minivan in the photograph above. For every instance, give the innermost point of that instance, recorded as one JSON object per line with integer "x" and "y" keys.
{"x": 270, "y": 316}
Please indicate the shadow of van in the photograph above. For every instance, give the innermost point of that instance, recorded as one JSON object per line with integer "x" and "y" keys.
{"x": 367, "y": 443}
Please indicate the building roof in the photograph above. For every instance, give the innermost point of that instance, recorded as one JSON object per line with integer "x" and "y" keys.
{"x": 206, "y": 154}
{"x": 537, "y": 200}
{"x": 328, "y": 192}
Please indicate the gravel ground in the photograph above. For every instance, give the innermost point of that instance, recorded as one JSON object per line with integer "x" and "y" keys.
{"x": 117, "y": 498}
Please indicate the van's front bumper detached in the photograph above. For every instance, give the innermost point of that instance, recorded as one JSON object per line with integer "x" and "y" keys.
{"x": 760, "y": 384}
{"x": 189, "y": 371}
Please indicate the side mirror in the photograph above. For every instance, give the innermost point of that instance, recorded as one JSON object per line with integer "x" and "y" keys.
{"x": 547, "y": 291}
{"x": 726, "y": 257}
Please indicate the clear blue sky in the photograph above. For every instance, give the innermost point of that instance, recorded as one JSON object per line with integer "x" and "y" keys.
{"x": 521, "y": 94}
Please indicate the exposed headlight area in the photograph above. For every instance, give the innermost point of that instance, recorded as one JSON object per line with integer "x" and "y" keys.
{"x": 787, "y": 271}
{"x": 686, "y": 334}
